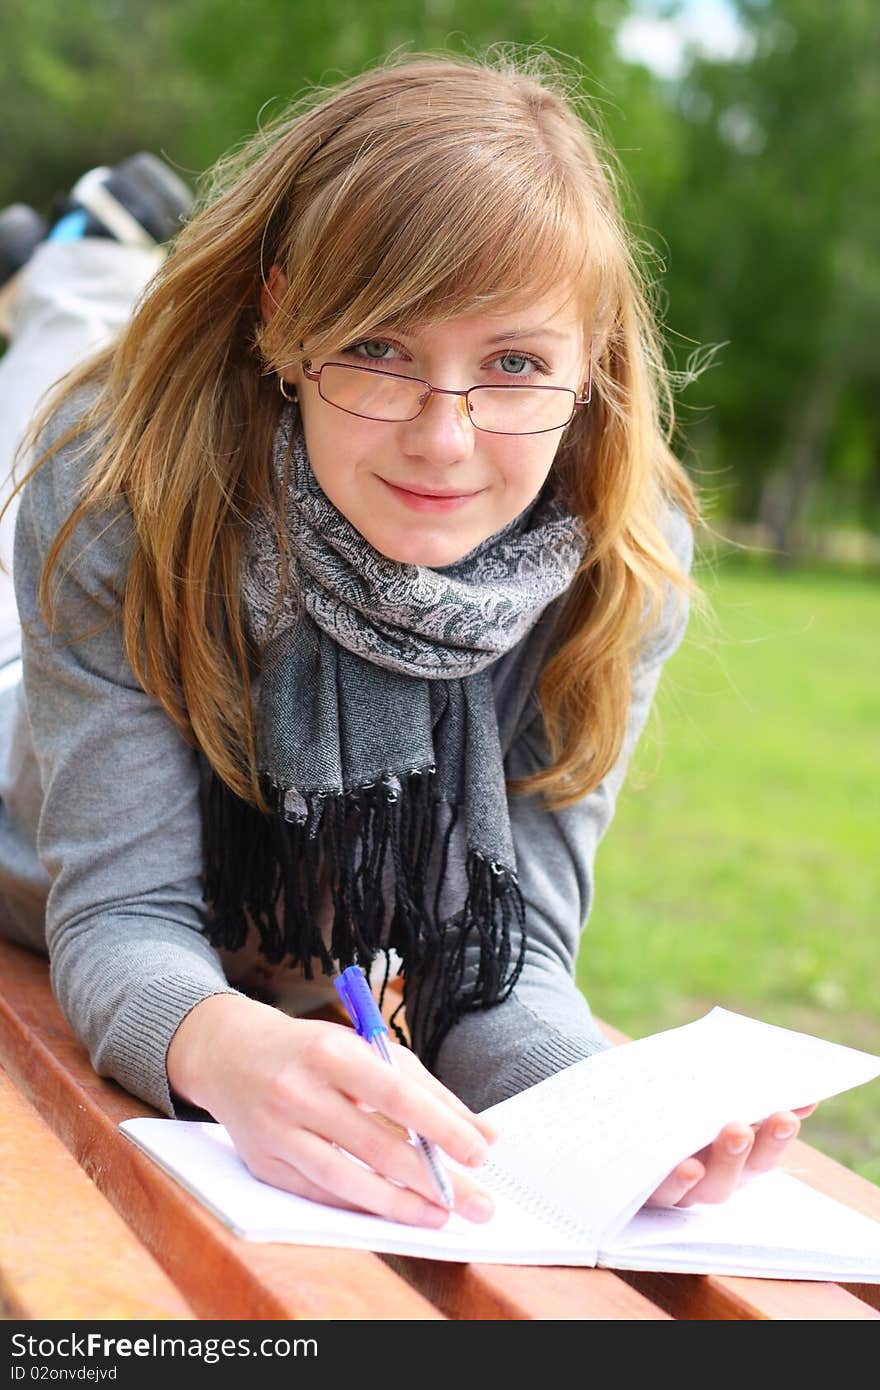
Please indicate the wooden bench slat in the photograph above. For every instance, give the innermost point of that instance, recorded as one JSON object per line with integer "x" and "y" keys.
{"x": 487, "y": 1292}
{"x": 709, "y": 1297}
{"x": 64, "y": 1251}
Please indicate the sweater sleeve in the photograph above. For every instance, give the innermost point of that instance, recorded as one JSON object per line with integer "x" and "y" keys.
{"x": 119, "y": 830}
{"x": 546, "y": 1024}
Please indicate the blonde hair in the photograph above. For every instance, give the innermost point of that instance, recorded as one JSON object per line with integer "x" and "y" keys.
{"x": 424, "y": 188}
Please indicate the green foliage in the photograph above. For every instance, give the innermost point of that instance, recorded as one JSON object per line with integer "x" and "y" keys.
{"x": 82, "y": 85}
{"x": 772, "y": 229}
{"x": 266, "y": 51}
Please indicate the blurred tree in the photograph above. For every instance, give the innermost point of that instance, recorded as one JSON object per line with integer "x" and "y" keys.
{"x": 772, "y": 225}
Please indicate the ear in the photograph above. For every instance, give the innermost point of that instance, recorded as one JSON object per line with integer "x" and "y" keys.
{"x": 273, "y": 290}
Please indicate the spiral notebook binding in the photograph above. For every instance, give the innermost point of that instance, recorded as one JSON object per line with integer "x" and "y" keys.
{"x": 536, "y": 1204}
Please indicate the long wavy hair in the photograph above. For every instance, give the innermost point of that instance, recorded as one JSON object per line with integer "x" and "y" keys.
{"x": 426, "y": 187}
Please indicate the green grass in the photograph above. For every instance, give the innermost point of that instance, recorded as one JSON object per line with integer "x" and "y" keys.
{"x": 742, "y": 866}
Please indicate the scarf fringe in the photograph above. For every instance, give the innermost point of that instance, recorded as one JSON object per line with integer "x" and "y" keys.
{"x": 275, "y": 873}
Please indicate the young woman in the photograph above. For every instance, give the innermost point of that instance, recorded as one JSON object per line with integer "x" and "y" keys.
{"x": 346, "y": 578}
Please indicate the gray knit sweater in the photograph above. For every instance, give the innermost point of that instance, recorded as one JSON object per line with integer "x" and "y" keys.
{"x": 100, "y": 834}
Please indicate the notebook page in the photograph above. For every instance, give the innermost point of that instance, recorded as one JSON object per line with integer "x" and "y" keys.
{"x": 773, "y": 1223}
{"x": 594, "y": 1140}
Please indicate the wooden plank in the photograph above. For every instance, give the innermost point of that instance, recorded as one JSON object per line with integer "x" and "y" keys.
{"x": 488, "y": 1292}
{"x": 221, "y": 1276}
{"x": 64, "y": 1251}
{"x": 709, "y": 1297}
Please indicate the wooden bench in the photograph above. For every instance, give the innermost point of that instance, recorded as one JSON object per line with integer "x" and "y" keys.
{"x": 91, "y": 1228}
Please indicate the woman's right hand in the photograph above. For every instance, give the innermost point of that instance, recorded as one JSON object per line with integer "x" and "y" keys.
{"x": 292, "y": 1092}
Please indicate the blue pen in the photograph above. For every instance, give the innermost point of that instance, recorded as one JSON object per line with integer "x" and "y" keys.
{"x": 362, "y": 1009}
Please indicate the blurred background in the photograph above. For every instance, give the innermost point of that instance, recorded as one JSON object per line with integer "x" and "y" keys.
{"x": 742, "y": 867}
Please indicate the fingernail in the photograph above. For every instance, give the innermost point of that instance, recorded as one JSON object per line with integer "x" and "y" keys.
{"x": 433, "y": 1216}
{"x": 478, "y": 1154}
{"x": 478, "y": 1207}
{"x": 738, "y": 1146}
{"x": 783, "y": 1132}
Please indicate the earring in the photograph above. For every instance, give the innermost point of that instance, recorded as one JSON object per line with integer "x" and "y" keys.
{"x": 294, "y": 398}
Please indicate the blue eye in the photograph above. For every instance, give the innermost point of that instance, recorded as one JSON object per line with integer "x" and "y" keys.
{"x": 367, "y": 344}
{"x": 524, "y": 359}
{"x": 517, "y": 357}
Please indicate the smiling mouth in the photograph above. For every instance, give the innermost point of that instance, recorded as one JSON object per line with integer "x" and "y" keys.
{"x": 423, "y": 492}
{"x": 437, "y": 503}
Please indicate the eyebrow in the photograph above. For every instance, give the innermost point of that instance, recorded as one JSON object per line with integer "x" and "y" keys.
{"x": 527, "y": 333}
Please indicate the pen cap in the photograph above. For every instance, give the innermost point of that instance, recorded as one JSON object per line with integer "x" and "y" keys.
{"x": 358, "y": 998}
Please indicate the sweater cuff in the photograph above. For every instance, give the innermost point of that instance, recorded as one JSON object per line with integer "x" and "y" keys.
{"x": 552, "y": 1055}
{"x": 141, "y": 1036}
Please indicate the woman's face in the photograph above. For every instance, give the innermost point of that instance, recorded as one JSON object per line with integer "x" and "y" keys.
{"x": 427, "y": 491}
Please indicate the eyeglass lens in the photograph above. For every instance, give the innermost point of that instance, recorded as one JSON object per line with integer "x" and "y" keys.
{"x": 504, "y": 410}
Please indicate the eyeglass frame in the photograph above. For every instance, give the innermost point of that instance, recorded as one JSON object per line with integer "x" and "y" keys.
{"x": 579, "y": 401}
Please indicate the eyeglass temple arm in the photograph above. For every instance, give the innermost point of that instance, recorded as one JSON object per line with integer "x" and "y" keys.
{"x": 585, "y": 399}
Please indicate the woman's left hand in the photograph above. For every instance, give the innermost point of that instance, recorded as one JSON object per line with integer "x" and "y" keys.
{"x": 739, "y": 1152}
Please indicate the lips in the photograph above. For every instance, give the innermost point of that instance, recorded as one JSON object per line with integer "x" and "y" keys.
{"x": 420, "y": 500}
{"x": 424, "y": 492}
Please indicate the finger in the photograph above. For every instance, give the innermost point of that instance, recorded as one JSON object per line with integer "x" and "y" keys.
{"x": 471, "y": 1201}
{"x": 403, "y": 1099}
{"x": 347, "y": 1181}
{"x": 802, "y": 1112}
{"x": 385, "y": 1146}
{"x": 771, "y": 1142}
{"x": 677, "y": 1184}
{"x": 724, "y": 1160}
{"x": 373, "y": 1139}
{"x": 279, "y": 1173}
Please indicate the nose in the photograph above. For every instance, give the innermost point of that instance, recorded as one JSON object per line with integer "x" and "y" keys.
{"x": 442, "y": 433}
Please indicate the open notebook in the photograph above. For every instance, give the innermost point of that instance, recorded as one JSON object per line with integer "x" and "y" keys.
{"x": 578, "y": 1155}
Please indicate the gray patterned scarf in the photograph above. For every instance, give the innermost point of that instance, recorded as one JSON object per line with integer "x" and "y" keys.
{"x": 379, "y": 752}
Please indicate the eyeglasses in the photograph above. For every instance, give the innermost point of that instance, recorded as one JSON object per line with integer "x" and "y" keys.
{"x": 377, "y": 395}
